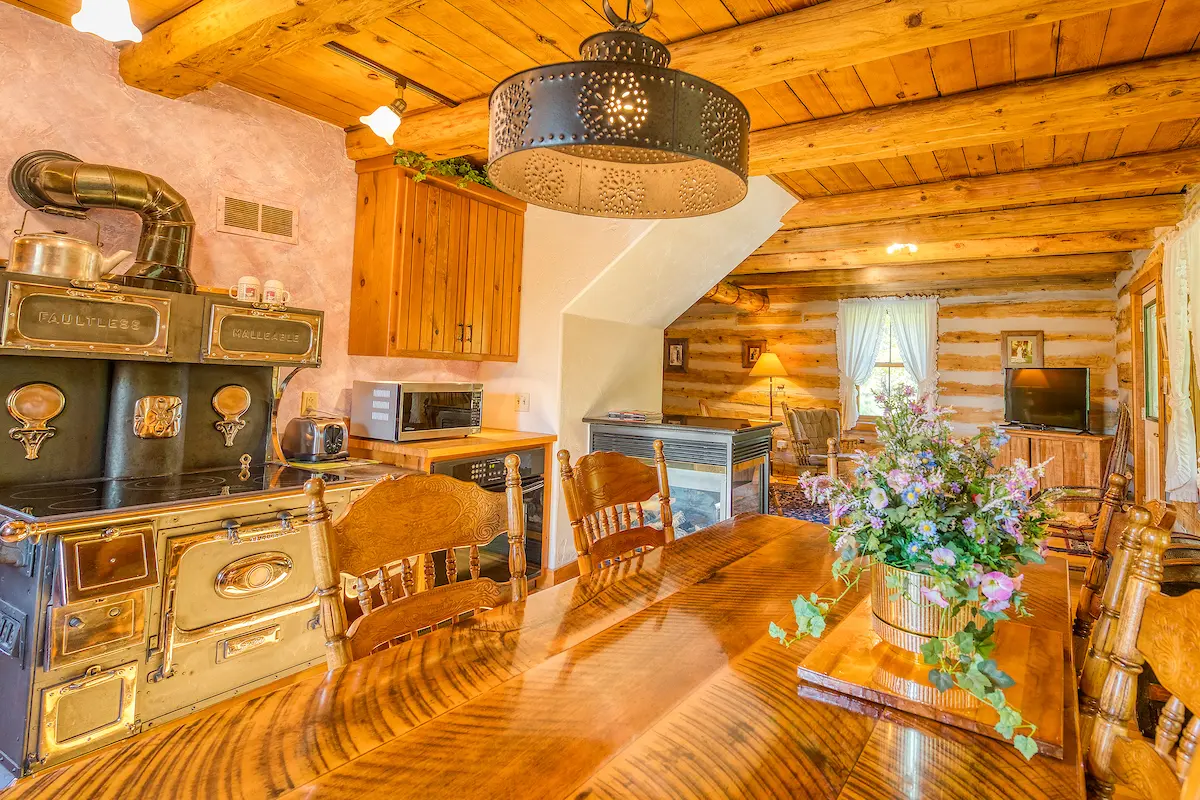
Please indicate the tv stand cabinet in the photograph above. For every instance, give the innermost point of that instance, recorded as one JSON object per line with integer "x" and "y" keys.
{"x": 1077, "y": 459}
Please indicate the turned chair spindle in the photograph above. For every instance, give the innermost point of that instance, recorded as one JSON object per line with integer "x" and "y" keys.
{"x": 604, "y": 493}
{"x": 1158, "y": 630}
{"x": 394, "y": 521}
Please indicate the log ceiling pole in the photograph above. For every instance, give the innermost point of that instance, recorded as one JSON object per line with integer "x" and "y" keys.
{"x": 1124, "y": 214}
{"x": 961, "y": 250}
{"x": 827, "y": 36}
{"x": 739, "y": 297}
{"x": 215, "y": 40}
{"x": 1103, "y": 99}
{"x": 1143, "y": 173}
{"x": 1091, "y": 264}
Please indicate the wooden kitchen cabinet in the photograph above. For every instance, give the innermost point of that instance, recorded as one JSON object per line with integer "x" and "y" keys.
{"x": 437, "y": 267}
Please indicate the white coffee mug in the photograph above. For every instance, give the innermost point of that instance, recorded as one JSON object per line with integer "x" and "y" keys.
{"x": 274, "y": 294}
{"x": 248, "y": 289}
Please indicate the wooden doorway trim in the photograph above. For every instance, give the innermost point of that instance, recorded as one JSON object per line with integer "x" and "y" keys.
{"x": 1150, "y": 275}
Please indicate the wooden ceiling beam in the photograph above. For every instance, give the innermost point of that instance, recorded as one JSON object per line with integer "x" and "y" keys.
{"x": 961, "y": 250}
{"x": 1127, "y": 213}
{"x": 1143, "y": 173}
{"x": 739, "y": 297}
{"x": 826, "y": 36}
{"x": 216, "y": 40}
{"x": 950, "y": 287}
{"x": 1103, "y": 99}
{"x": 1106, "y": 263}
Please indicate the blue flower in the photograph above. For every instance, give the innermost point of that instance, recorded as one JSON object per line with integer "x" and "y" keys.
{"x": 876, "y": 522}
{"x": 911, "y": 496}
{"x": 914, "y": 548}
{"x": 968, "y": 524}
{"x": 927, "y": 529}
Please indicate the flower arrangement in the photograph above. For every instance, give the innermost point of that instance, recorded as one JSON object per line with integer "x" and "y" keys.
{"x": 933, "y": 504}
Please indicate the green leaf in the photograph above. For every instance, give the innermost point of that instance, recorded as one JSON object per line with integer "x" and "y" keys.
{"x": 777, "y": 633}
{"x": 999, "y": 678}
{"x": 1004, "y": 729}
{"x": 940, "y": 680}
{"x": 816, "y": 626}
{"x": 1025, "y": 745}
{"x": 965, "y": 641}
{"x": 932, "y": 651}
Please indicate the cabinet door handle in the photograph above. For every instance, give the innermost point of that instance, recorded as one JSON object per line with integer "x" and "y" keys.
{"x": 470, "y": 331}
{"x": 461, "y": 329}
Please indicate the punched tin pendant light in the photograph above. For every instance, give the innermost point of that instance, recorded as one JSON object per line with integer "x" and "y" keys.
{"x": 619, "y": 134}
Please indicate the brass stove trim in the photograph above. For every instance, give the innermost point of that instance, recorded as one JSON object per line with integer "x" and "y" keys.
{"x": 12, "y": 337}
{"x": 73, "y": 585}
{"x": 235, "y": 578}
{"x": 157, "y": 416}
{"x": 34, "y": 405}
{"x": 49, "y": 745}
{"x": 220, "y": 313}
{"x": 171, "y": 636}
{"x": 247, "y": 643}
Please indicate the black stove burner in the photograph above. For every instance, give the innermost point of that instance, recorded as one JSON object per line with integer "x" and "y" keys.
{"x": 39, "y": 501}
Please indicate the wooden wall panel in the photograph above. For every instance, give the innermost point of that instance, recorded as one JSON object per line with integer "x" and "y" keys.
{"x": 375, "y": 260}
{"x": 1078, "y": 318}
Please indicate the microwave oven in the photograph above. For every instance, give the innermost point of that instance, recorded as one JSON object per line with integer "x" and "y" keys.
{"x": 406, "y": 412}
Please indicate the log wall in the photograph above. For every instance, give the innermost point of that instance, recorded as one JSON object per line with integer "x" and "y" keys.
{"x": 1079, "y": 319}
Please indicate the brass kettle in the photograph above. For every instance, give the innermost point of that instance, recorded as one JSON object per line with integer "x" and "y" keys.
{"x": 55, "y": 254}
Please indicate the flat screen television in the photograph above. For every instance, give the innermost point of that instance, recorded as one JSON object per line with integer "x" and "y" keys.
{"x": 1057, "y": 397}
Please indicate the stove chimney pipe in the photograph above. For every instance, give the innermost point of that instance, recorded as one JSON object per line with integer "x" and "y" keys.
{"x": 57, "y": 182}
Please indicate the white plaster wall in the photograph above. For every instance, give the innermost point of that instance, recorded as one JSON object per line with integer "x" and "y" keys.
{"x": 596, "y": 296}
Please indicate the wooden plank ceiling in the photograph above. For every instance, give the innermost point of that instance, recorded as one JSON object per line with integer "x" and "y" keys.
{"x": 1048, "y": 130}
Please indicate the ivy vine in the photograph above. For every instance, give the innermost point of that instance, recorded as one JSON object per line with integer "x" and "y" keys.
{"x": 458, "y": 169}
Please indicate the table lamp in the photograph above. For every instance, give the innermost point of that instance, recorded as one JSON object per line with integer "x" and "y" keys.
{"x": 769, "y": 366}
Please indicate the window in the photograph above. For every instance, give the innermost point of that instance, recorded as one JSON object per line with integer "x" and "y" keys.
{"x": 889, "y": 373}
{"x": 1150, "y": 358}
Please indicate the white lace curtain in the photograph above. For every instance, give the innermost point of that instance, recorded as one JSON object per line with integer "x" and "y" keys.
{"x": 860, "y": 327}
{"x": 1181, "y": 278}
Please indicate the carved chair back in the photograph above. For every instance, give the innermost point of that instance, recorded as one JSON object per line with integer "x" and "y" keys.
{"x": 391, "y": 533}
{"x": 1158, "y": 630}
{"x": 1119, "y": 455}
{"x": 1096, "y": 663}
{"x": 810, "y": 429}
{"x": 1095, "y": 578}
{"x": 604, "y": 493}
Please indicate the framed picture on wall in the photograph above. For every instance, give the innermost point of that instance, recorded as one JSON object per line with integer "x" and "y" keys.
{"x": 1022, "y": 349}
{"x": 676, "y": 355}
{"x": 751, "y": 350}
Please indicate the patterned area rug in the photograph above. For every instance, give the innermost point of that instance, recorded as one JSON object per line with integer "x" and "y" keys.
{"x": 788, "y": 501}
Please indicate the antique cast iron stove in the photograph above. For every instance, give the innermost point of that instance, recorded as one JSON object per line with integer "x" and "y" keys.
{"x": 148, "y": 561}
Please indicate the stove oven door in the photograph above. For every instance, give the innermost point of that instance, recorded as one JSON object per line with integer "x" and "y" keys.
{"x": 238, "y": 609}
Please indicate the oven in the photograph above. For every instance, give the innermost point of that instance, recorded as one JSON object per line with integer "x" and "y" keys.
{"x": 488, "y": 472}
{"x": 405, "y": 412}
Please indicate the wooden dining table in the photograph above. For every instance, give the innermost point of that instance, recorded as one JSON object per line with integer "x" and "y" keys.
{"x": 654, "y": 678}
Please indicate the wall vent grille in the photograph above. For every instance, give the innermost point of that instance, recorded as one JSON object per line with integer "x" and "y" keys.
{"x": 256, "y": 218}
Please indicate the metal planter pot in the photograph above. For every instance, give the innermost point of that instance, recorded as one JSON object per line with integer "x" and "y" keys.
{"x": 909, "y": 621}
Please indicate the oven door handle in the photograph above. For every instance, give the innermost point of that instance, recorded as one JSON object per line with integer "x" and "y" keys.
{"x": 534, "y": 485}
{"x": 265, "y": 531}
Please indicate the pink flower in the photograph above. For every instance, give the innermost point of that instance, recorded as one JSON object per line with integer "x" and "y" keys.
{"x": 898, "y": 479}
{"x": 997, "y": 588}
{"x": 975, "y": 577}
{"x": 942, "y": 557}
{"x": 935, "y": 597}
{"x": 1017, "y": 581}
{"x": 994, "y": 605}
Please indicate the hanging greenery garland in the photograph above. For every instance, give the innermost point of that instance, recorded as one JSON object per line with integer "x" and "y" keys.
{"x": 457, "y": 169}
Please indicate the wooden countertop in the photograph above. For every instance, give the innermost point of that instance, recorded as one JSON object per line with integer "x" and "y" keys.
{"x": 486, "y": 442}
{"x": 653, "y": 678}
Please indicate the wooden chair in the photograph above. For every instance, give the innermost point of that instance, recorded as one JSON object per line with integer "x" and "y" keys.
{"x": 1095, "y": 577}
{"x": 604, "y": 493}
{"x": 377, "y": 538}
{"x": 1160, "y": 631}
{"x": 1095, "y": 665}
{"x": 1076, "y": 530}
{"x": 705, "y": 410}
{"x": 811, "y": 429}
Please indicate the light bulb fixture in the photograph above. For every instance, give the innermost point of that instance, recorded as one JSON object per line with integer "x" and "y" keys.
{"x": 618, "y": 133}
{"x": 898, "y": 247}
{"x": 108, "y": 19}
{"x": 385, "y": 120}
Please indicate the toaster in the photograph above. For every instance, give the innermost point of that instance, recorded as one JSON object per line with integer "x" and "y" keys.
{"x": 319, "y": 438}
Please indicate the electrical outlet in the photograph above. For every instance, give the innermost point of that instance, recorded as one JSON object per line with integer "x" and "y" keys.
{"x": 308, "y": 403}
{"x": 523, "y": 401}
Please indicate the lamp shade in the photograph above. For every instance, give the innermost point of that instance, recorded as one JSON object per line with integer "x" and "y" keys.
{"x": 768, "y": 366}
